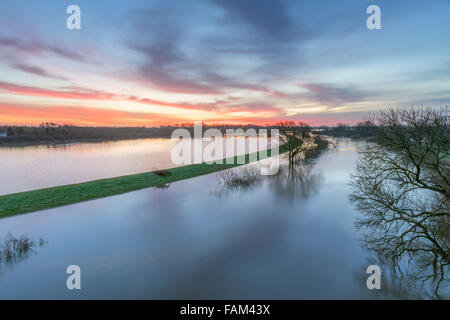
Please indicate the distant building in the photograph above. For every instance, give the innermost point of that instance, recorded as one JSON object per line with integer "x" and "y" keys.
{"x": 3, "y": 134}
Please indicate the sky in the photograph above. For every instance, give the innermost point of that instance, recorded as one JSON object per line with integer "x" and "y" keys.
{"x": 156, "y": 62}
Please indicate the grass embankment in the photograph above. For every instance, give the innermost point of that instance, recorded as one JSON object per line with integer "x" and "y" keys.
{"x": 25, "y": 202}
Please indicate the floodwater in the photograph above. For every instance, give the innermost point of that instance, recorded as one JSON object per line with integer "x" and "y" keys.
{"x": 36, "y": 167}
{"x": 289, "y": 236}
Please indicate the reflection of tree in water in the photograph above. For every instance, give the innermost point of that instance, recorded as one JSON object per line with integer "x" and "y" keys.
{"x": 293, "y": 181}
{"x": 163, "y": 186}
{"x": 395, "y": 284}
{"x": 298, "y": 181}
{"x": 408, "y": 236}
{"x": 404, "y": 281}
{"x": 14, "y": 250}
{"x": 401, "y": 188}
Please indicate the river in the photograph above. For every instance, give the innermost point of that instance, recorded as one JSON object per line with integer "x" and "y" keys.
{"x": 285, "y": 237}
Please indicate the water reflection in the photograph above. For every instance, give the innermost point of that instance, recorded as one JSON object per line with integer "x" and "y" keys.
{"x": 35, "y": 167}
{"x": 411, "y": 276}
{"x": 403, "y": 220}
{"x": 300, "y": 181}
{"x": 292, "y": 182}
{"x": 183, "y": 243}
{"x": 410, "y": 254}
{"x": 398, "y": 282}
{"x": 163, "y": 186}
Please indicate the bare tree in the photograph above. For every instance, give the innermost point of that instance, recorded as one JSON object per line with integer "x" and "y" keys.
{"x": 401, "y": 185}
{"x": 295, "y": 136}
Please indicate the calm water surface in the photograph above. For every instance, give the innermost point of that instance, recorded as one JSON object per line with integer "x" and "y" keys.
{"x": 35, "y": 167}
{"x": 284, "y": 238}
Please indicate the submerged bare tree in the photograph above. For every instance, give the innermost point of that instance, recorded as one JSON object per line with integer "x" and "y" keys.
{"x": 242, "y": 178}
{"x": 295, "y": 135}
{"x": 13, "y": 250}
{"x": 237, "y": 180}
{"x": 402, "y": 187}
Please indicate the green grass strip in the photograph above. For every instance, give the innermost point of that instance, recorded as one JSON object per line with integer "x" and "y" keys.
{"x": 41, "y": 199}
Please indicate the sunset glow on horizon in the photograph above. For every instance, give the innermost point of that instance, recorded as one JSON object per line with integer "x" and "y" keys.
{"x": 150, "y": 63}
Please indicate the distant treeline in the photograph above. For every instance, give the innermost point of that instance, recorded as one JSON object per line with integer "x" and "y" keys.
{"x": 54, "y": 133}
{"x": 362, "y": 130}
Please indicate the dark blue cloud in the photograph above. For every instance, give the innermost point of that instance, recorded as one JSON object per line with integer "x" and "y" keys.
{"x": 223, "y": 46}
{"x": 35, "y": 47}
{"x": 35, "y": 70}
{"x": 202, "y": 39}
{"x": 269, "y": 18}
{"x": 336, "y": 95}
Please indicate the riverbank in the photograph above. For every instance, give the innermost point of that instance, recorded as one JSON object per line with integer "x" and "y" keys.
{"x": 41, "y": 199}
